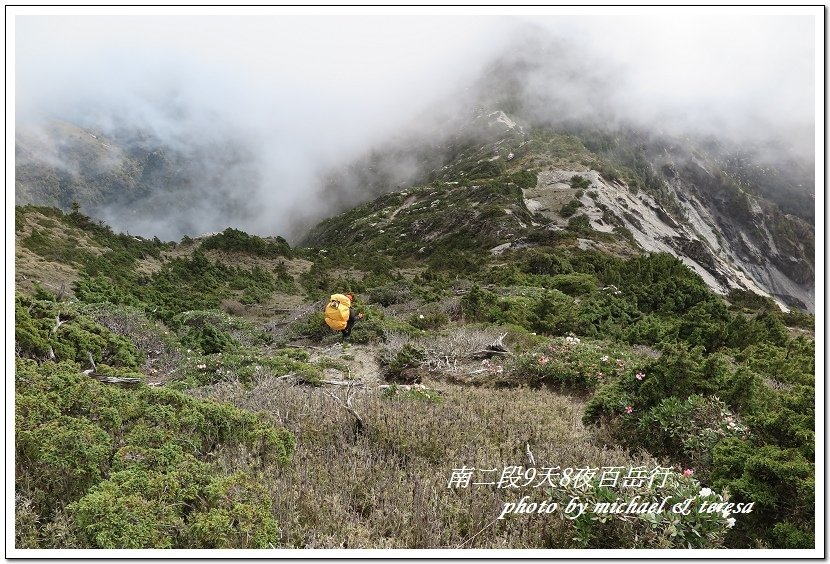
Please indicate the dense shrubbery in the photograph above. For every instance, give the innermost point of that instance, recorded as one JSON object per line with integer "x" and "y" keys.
{"x": 132, "y": 468}
{"x": 572, "y": 364}
{"x": 235, "y": 240}
{"x": 183, "y": 284}
{"x": 698, "y": 411}
{"x": 524, "y": 179}
{"x": 646, "y": 530}
{"x": 47, "y": 329}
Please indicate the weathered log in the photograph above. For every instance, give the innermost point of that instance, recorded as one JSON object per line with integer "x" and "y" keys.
{"x": 487, "y": 353}
{"x": 496, "y": 348}
{"x": 296, "y": 380}
{"x": 342, "y": 382}
{"x": 116, "y": 380}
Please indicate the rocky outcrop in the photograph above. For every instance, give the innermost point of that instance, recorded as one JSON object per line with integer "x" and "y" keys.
{"x": 732, "y": 240}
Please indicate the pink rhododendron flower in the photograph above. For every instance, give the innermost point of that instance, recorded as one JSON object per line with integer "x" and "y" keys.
{"x": 639, "y": 376}
{"x": 628, "y": 409}
{"x": 688, "y": 472}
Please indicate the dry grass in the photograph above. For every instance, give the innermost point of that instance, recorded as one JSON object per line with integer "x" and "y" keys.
{"x": 387, "y": 486}
{"x": 31, "y": 270}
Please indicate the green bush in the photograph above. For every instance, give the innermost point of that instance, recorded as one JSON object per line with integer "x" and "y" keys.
{"x": 524, "y": 179}
{"x": 430, "y": 319}
{"x": 476, "y": 303}
{"x": 570, "y": 208}
{"x": 235, "y": 513}
{"x": 781, "y": 483}
{"x": 36, "y": 332}
{"x": 687, "y": 430}
{"x": 652, "y": 329}
{"x": 397, "y": 292}
{"x": 580, "y": 224}
{"x": 571, "y": 364}
{"x": 667, "y": 529}
{"x": 133, "y": 467}
{"x": 575, "y": 284}
{"x": 541, "y": 262}
{"x": 554, "y": 314}
{"x": 603, "y": 314}
{"x": 69, "y": 454}
{"x": 235, "y": 240}
{"x": 413, "y": 393}
{"x": 579, "y": 182}
{"x": 408, "y": 356}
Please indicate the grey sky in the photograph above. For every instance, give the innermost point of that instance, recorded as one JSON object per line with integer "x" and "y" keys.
{"x": 306, "y": 90}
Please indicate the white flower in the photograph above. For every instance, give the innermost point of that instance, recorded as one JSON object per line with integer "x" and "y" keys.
{"x": 730, "y": 522}
{"x": 705, "y": 492}
{"x": 604, "y": 358}
{"x": 725, "y": 514}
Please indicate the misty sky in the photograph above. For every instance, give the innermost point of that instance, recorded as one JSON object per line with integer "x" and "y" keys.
{"x": 308, "y": 90}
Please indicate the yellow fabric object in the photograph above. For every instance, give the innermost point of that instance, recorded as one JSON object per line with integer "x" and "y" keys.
{"x": 337, "y": 312}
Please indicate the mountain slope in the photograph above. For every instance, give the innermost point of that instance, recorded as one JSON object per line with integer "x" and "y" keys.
{"x": 644, "y": 195}
{"x": 590, "y": 354}
{"x": 134, "y": 181}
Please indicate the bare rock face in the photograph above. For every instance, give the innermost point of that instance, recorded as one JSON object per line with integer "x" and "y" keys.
{"x": 732, "y": 240}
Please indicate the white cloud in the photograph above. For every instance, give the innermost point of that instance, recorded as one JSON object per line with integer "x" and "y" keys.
{"x": 301, "y": 90}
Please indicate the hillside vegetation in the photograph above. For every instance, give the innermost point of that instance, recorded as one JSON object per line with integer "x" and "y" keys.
{"x": 252, "y": 426}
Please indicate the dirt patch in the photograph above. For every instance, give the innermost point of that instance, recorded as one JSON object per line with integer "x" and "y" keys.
{"x": 361, "y": 361}
{"x": 148, "y": 266}
{"x": 409, "y": 201}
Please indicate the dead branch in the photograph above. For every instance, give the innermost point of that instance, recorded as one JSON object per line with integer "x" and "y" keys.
{"x": 293, "y": 379}
{"x": 58, "y": 323}
{"x": 498, "y": 344}
{"x": 91, "y": 360}
{"x": 342, "y": 383}
{"x": 287, "y": 377}
{"x": 347, "y": 405}
{"x": 530, "y": 461}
